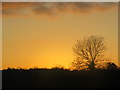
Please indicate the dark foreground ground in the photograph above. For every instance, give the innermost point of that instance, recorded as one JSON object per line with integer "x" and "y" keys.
{"x": 60, "y": 79}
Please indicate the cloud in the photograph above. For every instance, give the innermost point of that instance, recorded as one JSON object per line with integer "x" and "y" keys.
{"x": 53, "y": 8}
{"x": 15, "y": 9}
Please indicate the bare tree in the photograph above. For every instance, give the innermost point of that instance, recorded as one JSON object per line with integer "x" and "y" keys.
{"x": 89, "y": 52}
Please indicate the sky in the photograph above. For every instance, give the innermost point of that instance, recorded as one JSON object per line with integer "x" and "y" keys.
{"x": 43, "y": 34}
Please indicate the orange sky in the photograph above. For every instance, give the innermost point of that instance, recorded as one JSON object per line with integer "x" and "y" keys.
{"x": 43, "y": 34}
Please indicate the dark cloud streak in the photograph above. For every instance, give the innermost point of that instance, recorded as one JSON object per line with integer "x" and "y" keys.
{"x": 51, "y": 8}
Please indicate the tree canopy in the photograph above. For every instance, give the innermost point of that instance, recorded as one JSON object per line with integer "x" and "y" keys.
{"x": 89, "y": 51}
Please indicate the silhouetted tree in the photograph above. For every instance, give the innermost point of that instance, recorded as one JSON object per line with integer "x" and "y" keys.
{"x": 89, "y": 52}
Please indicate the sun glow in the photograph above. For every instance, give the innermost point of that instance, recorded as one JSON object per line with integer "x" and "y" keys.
{"x": 47, "y": 40}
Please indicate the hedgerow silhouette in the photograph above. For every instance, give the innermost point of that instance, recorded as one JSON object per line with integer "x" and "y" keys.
{"x": 60, "y": 78}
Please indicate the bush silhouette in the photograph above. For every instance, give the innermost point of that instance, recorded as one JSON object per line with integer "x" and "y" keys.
{"x": 112, "y": 66}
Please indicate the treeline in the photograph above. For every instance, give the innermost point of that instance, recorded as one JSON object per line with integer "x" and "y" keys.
{"x": 60, "y": 78}
{"x": 109, "y": 66}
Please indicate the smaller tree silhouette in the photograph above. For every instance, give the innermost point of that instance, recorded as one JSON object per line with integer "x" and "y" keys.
{"x": 111, "y": 66}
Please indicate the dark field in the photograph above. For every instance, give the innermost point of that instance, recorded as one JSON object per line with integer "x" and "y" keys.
{"x": 48, "y": 78}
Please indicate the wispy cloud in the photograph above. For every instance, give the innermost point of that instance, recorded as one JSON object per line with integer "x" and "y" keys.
{"x": 52, "y": 8}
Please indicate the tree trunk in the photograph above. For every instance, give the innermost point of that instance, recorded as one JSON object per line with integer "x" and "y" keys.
{"x": 92, "y": 65}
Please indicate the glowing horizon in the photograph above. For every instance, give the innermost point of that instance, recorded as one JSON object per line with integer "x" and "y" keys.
{"x": 43, "y": 34}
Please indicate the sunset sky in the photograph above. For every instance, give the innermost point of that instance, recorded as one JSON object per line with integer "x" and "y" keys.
{"x": 43, "y": 34}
